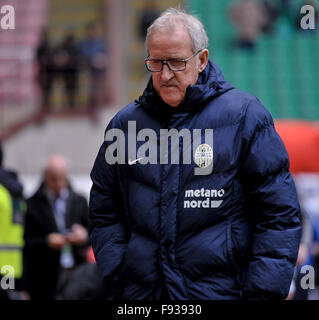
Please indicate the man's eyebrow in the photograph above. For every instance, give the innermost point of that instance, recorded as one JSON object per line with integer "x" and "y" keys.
{"x": 169, "y": 58}
{"x": 176, "y": 58}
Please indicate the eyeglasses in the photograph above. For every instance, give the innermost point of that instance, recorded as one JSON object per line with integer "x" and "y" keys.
{"x": 156, "y": 65}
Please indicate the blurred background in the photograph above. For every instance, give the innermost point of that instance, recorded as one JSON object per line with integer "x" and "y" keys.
{"x": 69, "y": 66}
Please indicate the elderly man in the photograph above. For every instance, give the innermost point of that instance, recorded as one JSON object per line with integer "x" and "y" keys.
{"x": 192, "y": 196}
{"x": 56, "y": 235}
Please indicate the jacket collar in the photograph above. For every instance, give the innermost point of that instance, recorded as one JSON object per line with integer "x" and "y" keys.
{"x": 42, "y": 191}
{"x": 210, "y": 84}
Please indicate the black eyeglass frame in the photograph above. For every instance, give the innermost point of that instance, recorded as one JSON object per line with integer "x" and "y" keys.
{"x": 166, "y": 62}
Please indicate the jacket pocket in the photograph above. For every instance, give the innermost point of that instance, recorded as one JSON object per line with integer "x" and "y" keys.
{"x": 231, "y": 249}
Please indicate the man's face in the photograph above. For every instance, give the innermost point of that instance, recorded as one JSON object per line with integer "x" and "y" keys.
{"x": 173, "y": 44}
{"x": 56, "y": 180}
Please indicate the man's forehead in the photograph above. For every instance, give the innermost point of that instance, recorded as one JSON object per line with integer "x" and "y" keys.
{"x": 170, "y": 40}
{"x": 170, "y": 30}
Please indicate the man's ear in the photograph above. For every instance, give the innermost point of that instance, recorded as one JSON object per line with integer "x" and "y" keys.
{"x": 203, "y": 59}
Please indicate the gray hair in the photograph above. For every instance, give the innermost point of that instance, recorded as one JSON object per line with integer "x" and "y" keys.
{"x": 172, "y": 16}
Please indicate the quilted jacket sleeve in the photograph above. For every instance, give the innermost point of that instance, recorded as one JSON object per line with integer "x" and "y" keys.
{"x": 273, "y": 207}
{"x": 108, "y": 231}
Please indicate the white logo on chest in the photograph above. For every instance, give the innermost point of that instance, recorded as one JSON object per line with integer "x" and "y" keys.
{"x": 209, "y": 198}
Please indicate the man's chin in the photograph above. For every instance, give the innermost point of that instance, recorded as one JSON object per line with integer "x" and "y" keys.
{"x": 172, "y": 102}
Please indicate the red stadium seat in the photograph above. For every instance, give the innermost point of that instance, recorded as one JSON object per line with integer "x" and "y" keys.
{"x": 301, "y": 139}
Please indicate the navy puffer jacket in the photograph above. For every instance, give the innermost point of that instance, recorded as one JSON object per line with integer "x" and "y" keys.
{"x": 230, "y": 234}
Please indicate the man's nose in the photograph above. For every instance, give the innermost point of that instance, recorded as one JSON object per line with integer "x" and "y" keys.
{"x": 166, "y": 74}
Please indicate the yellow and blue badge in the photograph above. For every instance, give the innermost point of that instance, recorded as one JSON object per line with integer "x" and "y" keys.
{"x": 203, "y": 155}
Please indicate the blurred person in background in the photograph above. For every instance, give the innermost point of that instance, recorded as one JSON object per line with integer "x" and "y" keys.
{"x": 88, "y": 287}
{"x": 272, "y": 12}
{"x": 301, "y": 139}
{"x": 308, "y": 192}
{"x": 47, "y": 71}
{"x": 93, "y": 53}
{"x": 56, "y": 237}
{"x": 148, "y": 14}
{"x": 12, "y": 214}
{"x": 67, "y": 61}
{"x": 155, "y": 230}
{"x": 249, "y": 17}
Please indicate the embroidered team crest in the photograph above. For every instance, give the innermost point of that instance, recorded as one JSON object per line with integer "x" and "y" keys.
{"x": 203, "y": 155}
